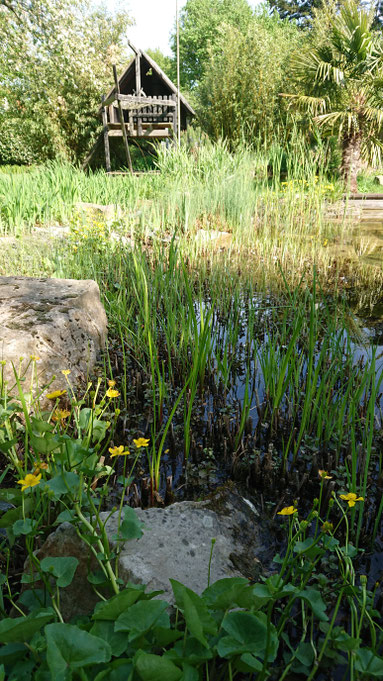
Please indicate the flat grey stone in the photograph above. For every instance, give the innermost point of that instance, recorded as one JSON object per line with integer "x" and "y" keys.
{"x": 176, "y": 544}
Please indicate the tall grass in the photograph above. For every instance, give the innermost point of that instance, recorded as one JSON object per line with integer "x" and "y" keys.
{"x": 213, "y": 358}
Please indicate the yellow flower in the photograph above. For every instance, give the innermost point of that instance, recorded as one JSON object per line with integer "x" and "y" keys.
{"x": 351, "y": 498}
{"x": 323, "y": 475}
{"x": 3, "y": 362}
{"x": 65, "y": 372}
{"x": 112, "y": 393}
{"x": 141, "y": 442}
{"x": 30, "y": 481}
{"x": 118, "y": 451}
{"x": 34, "y": 358}
{"x": 288, "y": 510}
{"x": 55, "y": 394}
{"x": 325, "y": 242}
{"x": 111, "y": 384}
{"x": 60, "y": 414}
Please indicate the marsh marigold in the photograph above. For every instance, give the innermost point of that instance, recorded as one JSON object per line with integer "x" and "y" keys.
{"x": 30, "y": 481}
{"x": 118, "y": 451}
{"x": 351, "y": 498}
{"x": 141, "y": 442}
{"x": 112, "y": 393}
{"x": 287, "y": 510}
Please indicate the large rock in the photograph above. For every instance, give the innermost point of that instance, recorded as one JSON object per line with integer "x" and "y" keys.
{"x": 176, "y": 544}
{"x": 61, "y": 321}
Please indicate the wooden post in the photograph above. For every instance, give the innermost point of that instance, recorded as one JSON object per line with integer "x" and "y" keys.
{"x": 175, "y": 117}
{"x": 106, "y": 137}
{"x": 123, "y": 127}
{"x": 138, "y": 73}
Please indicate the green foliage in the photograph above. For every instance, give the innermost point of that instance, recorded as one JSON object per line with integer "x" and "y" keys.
{"x": 303, "y": 11}
{"x": 164, "y": 62}
{"x": 340, "y": 83}
{"x": 278, "y": 626}
{"x": 300, "y": 11}
{"x": 239, "y": 96}
{"x": 56, "y": 62}
{"x": 200, "y": 21}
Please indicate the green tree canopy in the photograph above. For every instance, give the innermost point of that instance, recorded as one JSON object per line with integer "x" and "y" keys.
{"x": 239, "y": 94}
{"x": 56, "y": 61}
{"x": 341, "y": 84}
{"x": 303, "y": 11}
{"x": 199, "y": 24}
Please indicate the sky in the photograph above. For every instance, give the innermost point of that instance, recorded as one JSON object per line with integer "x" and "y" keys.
{"x": 154, "y": 21}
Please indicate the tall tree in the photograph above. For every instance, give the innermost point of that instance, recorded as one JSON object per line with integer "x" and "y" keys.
{"x": 341, "y": 82}
{"x": 56, "y": 61}
{"x": 238, "y": 97}
{"x": 303, "y": 11}
{"x": 300, "y": 11}
{"x": 199, "y": 23}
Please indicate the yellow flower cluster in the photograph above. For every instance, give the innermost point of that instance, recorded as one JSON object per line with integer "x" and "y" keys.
{"x": 93, "y": 231}
{"x": 295, "y": 185}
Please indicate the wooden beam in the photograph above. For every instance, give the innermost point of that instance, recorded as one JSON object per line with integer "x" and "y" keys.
{"x": 106, "y": 138}
{"x": 123, "y": 126}
{"x": 162, "y": 132}
{"x": 110, "y": 99}
{"x": 127, "y": 101}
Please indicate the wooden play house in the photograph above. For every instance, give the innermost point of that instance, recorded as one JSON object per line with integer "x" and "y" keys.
{"x": 142, "y": 105}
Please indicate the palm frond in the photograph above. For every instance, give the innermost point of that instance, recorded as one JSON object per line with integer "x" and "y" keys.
{"x": 313, "y": 105}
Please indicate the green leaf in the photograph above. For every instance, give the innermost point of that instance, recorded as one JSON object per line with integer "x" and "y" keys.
{"x": 65, "y": 517}
{"x": 314, "y": 599}
{"x": 12, "y": 652}
{"x": 111, "y": 609}
{"x": 197, "y": 616}
{"x": 305, "y": 654}
{"x": 63, "y": 483}
{"x": 46, "y": 444}
{"x": 141, "y": 617}
{"x": 131, "y": 527}
{"x": 248, "y": 634}
{"x": 99, "y": 430}
{"x": 84, "y": 418}
{"x": 6, "y": 446}
{"x": 40, "y": 426}
{"x": 23, "y": 628}
{"x": 24, "y": 526}
{"x": 70, "y": 648}
{"x": 118, "y": 641}
{"x": 62, "y": 569}
{"x": 9, "y": 517}
{"x": 11, "y": 496}
{"x": 225, "y": 593}
{"x": 156, "y": 668}
{"x": 368, "y": 663}
{"x": 77, "y": 456}
{"x": 189, "y": 673}
{"x": 250, "y": 663}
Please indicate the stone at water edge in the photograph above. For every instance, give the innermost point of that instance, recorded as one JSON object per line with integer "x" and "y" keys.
{"x": 176, "y": 544}
{"x": 378, "y": 179}
{"x": 62, "y": 321}
{"x": 107, "y": 212}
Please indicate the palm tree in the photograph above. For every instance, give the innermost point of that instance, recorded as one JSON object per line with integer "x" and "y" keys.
{"x": 341, "y": 83}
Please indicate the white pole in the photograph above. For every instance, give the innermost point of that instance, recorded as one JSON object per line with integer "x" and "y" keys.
{"x": 178, "y": 78}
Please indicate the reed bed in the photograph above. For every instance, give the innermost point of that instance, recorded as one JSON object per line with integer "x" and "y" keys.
{"x": 241, "y": 357}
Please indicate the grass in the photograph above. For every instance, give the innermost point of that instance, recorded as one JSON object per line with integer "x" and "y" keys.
{"x": 233, "y": 359}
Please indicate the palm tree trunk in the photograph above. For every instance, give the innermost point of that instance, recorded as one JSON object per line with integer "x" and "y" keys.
{"x": 351, "y": 161}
